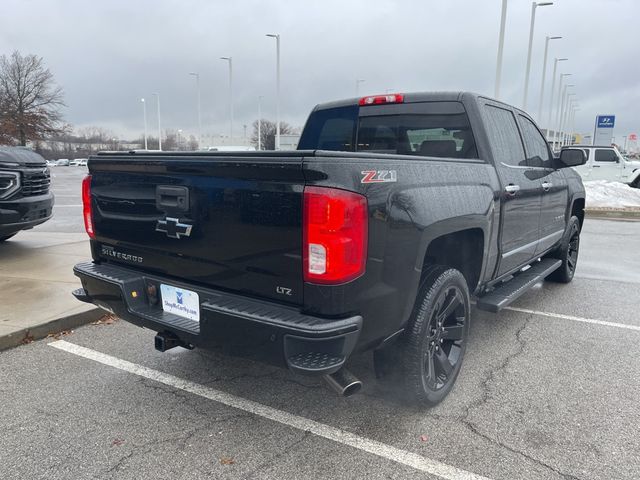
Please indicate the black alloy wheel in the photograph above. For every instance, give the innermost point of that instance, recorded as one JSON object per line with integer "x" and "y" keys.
{"x": 445, "y": 339}
{"x": 434, "y": 342}
{"x": 567, "y": 252}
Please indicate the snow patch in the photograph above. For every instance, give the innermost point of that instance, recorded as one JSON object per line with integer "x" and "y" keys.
{"x": 606, "y": 194}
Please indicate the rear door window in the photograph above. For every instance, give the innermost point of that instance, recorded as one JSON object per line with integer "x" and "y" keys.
{"x": 504, "y": 136}
{"x": 535, "y": 145}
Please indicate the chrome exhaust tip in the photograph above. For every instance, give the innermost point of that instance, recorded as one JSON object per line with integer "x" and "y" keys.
{"x": 343, "y": 382}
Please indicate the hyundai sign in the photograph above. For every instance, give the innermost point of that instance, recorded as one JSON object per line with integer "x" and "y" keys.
{"x": 603, "y": 132}
{"x": 606, "y": 121}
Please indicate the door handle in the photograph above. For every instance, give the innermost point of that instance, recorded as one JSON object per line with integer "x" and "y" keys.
{"x": 546, "y": 186}
{"x": 512, "y": 189}
{"x": 595, "y": 166}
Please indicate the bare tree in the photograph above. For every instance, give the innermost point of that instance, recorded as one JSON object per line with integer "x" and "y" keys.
{"x": 170, "y": 141}
{"x": 268, "y": 133}
{"x": 30, "y": 101}
{"x": 193, "y": 143}
{"x": 95, "y": 135}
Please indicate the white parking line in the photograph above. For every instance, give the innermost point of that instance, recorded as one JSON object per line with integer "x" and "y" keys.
{"x": 575, "y": 319}
{"x": 413, "y": 460}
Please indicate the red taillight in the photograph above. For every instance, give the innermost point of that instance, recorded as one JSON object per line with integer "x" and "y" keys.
{"x": 334, "y": 235}
{"x": 87, "y": 212}
{"x": 381, "y": 99}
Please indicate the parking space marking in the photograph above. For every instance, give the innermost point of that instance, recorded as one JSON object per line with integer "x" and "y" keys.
{"x": 575, "y": 319}
{"x": 397, "y": 455}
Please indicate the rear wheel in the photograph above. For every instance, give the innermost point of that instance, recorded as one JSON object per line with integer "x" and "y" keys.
{"x": 568, "y": 253}
{"x": 6, "y": 237}
{"x": 433, "y": 345}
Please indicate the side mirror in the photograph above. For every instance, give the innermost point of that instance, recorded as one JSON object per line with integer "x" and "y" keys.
{"x": 571, "y": 157}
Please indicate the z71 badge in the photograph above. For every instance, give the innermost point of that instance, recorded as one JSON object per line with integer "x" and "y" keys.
{"x": 379, "y": 176}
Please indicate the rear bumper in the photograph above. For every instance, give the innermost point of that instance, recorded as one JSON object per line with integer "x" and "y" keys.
{"x": 24, "y": 213}
{"x": 241, "y": 326}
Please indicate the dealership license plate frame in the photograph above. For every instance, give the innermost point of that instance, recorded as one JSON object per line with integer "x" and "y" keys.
{"x": 181, "y": 302}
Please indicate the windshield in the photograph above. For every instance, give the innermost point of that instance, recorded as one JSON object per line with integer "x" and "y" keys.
{"x": 435, "y": 129}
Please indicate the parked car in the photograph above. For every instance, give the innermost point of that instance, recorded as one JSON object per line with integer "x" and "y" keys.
{"x": 62, "y": 162}
{"x": 25, "y": 199}
{"x": 373, "y": 236}
{"x": 607, "y": 163}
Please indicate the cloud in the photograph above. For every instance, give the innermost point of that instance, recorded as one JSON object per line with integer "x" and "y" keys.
{"x": 107, "y": 55}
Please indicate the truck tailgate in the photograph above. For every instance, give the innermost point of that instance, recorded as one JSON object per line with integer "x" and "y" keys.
{"x": 221, "y": 221}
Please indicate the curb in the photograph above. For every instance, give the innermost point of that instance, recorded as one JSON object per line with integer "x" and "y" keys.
{"x": 613, "y": 214}
{"x": 37, "y": 332}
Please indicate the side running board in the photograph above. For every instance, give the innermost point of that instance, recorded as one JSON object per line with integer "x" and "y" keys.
{"x": 508, "y": 292}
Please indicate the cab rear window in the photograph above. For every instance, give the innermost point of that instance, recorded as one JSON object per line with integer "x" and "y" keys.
{"x": 435, "y": 129}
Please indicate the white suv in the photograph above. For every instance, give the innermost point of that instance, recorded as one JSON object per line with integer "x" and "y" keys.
{"x": 606, "y": 163}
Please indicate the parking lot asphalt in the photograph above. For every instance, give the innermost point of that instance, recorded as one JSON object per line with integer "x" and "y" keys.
{"x": 67, "y": 211}
{"x": 549, "y": 389}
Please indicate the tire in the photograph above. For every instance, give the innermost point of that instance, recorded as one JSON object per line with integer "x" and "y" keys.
{"x": 7, "y": 237}
{"x": 568, "y": 253}
{"x": 433, "y": 345}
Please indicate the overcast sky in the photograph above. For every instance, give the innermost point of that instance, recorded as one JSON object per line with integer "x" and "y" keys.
{"x": 108, "y": 54}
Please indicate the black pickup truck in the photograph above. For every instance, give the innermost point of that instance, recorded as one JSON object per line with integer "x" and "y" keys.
{"x": 374, "y": 235}
{"x": 25, "y": 199}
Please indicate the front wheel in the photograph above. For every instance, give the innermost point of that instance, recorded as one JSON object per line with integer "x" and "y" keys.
{"x": 568, "y": 253}
{"x": 433, "y": 345}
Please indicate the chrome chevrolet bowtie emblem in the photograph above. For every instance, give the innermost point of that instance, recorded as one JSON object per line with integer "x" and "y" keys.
{"x": 173, "y": 228}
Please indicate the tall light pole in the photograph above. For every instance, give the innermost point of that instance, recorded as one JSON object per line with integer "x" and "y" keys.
{"x": 157, "y": 95}
{"x": 562, "y": 97}
{"x": 534, "y": 5}
{"x": 230, "y": 60}
{"x": 573, "y": 119}
{"x": 625, "y": 142}
{"x": 144, "y": 115}
{"x": 564, "y": 121}
{"x": 567, "y": 121}
{"x": 557, "y": 121}
{"x": 553, "y": 88}
{"x": 544, "y": 72}
{"x": 561, "y": 111}
{"x": 277, "y": 37}
{"x": 503, "y": 19}
{"x": 260, "y": 122}
{"x": 358, "y": 82}
{"x": 197, "y": 75}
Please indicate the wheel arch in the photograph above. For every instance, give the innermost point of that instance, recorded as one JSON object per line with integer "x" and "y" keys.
{"x": 577, "y": 210}
{"x": 462, "y": 249}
